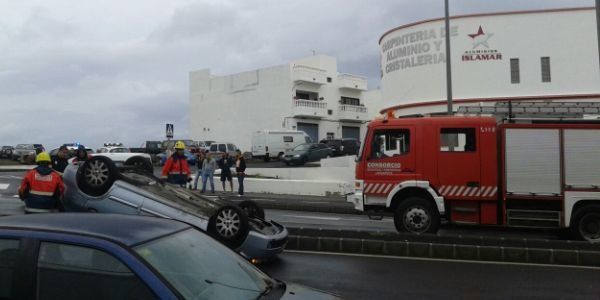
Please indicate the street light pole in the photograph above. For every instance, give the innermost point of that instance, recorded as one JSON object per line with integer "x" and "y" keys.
{"x": 448, "y": 62}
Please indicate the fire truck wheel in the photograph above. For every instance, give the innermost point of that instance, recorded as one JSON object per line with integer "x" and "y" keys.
{"x": 416, "y": 215}
{"x": 586, "y": 223}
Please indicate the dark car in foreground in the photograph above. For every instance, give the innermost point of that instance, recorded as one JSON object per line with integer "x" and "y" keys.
{"x": 341, "y": 147}
{"x": 104, "y": 256}
{"x": 99, "y": 186}
{"x": 306, "y": 153}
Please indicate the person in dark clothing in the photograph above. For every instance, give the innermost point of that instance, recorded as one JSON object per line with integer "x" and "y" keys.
{"x": 240, "y": 169}
{"x": 61, "y": 160}
{"x": 42, "y": 188}
{"x": 225, "y": 164}
{"x": 81, "y": 155}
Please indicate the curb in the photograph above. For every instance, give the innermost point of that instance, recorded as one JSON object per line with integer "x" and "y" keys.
{"x": 547, "y": 256}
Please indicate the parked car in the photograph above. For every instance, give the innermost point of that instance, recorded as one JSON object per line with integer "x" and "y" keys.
{"x": 99, "y": 186}
{"x": 25, "y": 153}
{"x": 267, "y": 144}
{"x": 149, "y": 147}
{"x": 7, "y": 152}
{"x": 117, "y": 257}
{"x": 220, "y": 148}
{"x": 340, "y": 147}
{"x": 124, "y": 156}
{"x": 306, "y": 153}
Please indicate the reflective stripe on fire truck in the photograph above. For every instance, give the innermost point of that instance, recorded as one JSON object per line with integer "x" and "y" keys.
{"x": 465, "y": 191}
{"x": 445, "y": 190}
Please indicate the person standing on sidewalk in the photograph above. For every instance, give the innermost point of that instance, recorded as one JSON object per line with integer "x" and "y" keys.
{"x": 240, "y": 169}
{"x": 199, "y": 162}
{"x": 208, "y": 170}
{"x": 225, "y": 164}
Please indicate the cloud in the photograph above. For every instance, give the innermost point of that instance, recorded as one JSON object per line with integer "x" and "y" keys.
{"x": 118, "y": 71}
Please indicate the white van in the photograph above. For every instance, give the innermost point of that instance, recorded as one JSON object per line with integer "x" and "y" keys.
{"x": 267, "y": 144}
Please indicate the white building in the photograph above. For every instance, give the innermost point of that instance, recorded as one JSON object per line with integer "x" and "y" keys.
{"x": 531, "y": 55}
{"x": 307, "y": 94}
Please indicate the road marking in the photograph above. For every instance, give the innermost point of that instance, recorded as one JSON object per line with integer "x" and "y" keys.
{"x": 10, "y": 177}
{"x": 4, "y": 186}
{"x": 15, "y": 196}
{"x": 312, "y": 217}
{"x": 442, "y": 260}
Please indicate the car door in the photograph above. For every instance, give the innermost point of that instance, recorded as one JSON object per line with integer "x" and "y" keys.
{"x": 89, "y": 271}
{"x": 10, "y": 285}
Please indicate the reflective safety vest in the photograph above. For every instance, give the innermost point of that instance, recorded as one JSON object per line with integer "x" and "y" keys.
{"x": 40, "y": 190}
{"x": 176, "y": 170}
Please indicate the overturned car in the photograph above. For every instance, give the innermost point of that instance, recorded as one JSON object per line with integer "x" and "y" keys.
{"x": 97, "y": 185}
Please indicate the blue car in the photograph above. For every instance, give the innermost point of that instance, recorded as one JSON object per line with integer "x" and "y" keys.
{"x": 103, "y": 256}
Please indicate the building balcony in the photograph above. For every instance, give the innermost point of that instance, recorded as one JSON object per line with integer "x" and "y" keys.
{"x": 310, "y": 109}
{"x": 352, "y": 82}
{"x": 353, "y": 113}
{"x": 302, "y": 73}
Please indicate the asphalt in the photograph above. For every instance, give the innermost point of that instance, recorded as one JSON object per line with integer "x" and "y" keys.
{"x": 373, "y": 277}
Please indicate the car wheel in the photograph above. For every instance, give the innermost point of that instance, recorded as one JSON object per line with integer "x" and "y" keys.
{"x": 585, "y": 224}
{"x": 141, "y": 163}
{"x": 252, "y": 209}
{"x": 229, "y": 225}
{"x": 416, "y": 215}
{"x": 96, "y": 175}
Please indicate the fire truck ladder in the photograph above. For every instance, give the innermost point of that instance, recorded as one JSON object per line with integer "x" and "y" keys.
{"x": 538, "y": 111}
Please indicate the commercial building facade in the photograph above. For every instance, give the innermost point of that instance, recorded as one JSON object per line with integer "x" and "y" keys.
{"x": 546, "y": 55}
{"x": 307, "y": 94}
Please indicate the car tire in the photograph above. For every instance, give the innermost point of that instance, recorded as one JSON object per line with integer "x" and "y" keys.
{"x": 252, "y": 209}
{"x": 585, "y": 224}
{"x": 416, "y": 215}
{"x": 229, "y": 225}
{"x": 96, "y": 176}
{"x": 141, "y": 163}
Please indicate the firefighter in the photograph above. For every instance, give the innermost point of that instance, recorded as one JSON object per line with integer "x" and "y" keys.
{"x": 42, "y": 188}
{"x": 176, "y": 169}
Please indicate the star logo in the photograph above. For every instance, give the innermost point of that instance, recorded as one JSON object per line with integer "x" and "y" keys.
{"x": 481, "y": 38}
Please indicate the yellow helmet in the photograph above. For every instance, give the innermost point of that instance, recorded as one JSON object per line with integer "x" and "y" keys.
{"x": 42, "y": 157}
{"x": 179, "y": 145}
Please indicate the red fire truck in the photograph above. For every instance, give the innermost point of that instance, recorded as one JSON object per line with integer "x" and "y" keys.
{"x": 478, "y": 170}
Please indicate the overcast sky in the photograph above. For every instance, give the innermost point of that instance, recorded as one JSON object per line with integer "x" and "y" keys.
{"x": 104, "y": 71}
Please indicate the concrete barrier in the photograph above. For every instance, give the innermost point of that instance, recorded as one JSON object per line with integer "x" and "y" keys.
{"x": 546, "y": 256}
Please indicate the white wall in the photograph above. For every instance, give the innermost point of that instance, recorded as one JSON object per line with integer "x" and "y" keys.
{"x": 567, "y": 37}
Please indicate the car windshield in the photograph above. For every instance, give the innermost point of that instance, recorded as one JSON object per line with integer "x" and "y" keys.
{"x": 302, "y": 147}
{"x": 200, "y": 268}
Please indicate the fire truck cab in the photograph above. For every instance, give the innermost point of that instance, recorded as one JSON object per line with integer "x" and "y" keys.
{"x": 481, "y": 171}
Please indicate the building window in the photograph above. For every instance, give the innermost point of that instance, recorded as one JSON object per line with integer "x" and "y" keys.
{"x": 515, "y": 76}
{"x": 328, "y": 79}
{"x": 545, "y": 69}
{"x": 457, "y": 140}
{"x": 306, "y": 95}
{"x": 330, "y": 112}
{"x": 350, "y": 101}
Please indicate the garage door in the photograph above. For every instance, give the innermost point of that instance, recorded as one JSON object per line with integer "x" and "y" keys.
{"x": 311, "y": 129}
{"x": 351, "y": 132}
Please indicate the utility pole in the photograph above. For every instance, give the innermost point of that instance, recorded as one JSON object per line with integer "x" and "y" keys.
{"x": 448, "y": 62}
{"x": 598, "y": 28}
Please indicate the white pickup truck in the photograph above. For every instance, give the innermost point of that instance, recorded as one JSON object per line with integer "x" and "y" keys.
{"x": 123, "y": 156}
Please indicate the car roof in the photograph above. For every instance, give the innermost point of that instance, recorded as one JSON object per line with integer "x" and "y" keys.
{"x": 125, "y": 229}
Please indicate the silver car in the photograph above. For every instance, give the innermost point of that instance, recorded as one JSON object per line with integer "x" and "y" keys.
{"x": 97, "y": 185}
